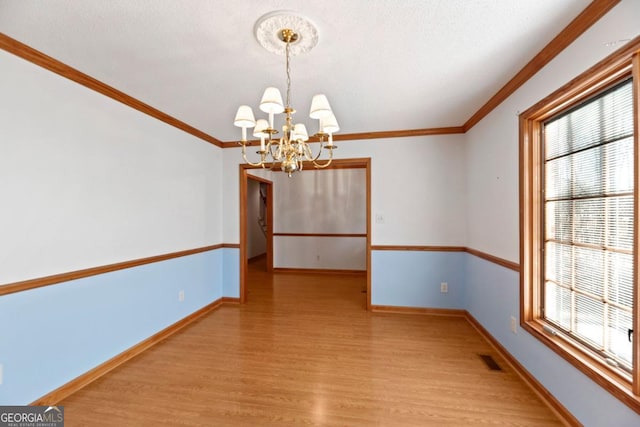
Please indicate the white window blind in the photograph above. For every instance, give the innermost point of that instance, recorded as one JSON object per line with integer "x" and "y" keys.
{"x": 588, "y": 223}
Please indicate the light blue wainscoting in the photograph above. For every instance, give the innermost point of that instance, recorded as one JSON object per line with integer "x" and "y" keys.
{"x": 413, "y": 278}
{"x": 50, "y": 335}
{"x": 231, "y": 268}
{"x": 492, "y": 297}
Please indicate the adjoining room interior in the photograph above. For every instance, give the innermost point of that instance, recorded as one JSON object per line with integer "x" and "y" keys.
{"x": 325, "y": 230}
{"x": 227, "y": 213}
{"x": 259, "y": 221}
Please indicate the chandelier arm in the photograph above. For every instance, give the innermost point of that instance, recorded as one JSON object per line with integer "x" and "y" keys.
{"x": 322, "y": 166}
{"x": 320, "y": 152}
{"x": 307, "y": 152}
{"x": 244, "y": 156}
{"x": 269, "y": 149}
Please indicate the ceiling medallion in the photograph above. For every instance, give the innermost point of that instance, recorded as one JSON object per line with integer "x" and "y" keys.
{"x": 268, "y": 32}
{"x": 283, "y": 34}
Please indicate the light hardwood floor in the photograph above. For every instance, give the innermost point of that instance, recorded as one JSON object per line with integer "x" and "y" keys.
{"x": 303, "y": 351}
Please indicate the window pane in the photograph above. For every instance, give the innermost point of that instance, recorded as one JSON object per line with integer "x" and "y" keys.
{"x": 620, "y": 279}
{"x": 588, "y": 221}
{"x": 589, "y": 271}
{"x": 589, "y": 320}
{"x": 580, "y": 221}
{"x": 558, "y": 178}
{"x": 558, "y": 305}
{"x": 619, "y": 228}
{"x": 618, "y": 344}
{"x": 559, "y": 263}
{"x": 619, "y": 166}
{"x": 556, "y": 220}
{"x": 587, "y": 172}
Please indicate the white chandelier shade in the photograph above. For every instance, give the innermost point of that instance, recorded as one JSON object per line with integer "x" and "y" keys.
{"x": 319, "y": 107}
{"x": 244, "y": 119}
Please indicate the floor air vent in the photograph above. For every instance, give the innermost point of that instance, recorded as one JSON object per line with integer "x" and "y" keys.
{"x": 490, "y": 362}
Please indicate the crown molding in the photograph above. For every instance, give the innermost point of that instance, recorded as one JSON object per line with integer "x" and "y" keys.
{"x": 38, "y": 58}
{"x": 589, "y": 16}
{"x": 369, "y": 135}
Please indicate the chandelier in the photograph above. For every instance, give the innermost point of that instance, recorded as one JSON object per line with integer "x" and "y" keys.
{"x": 291, "y": 149}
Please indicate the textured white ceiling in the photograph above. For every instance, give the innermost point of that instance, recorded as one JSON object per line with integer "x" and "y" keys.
{"x": 384, "y": 64}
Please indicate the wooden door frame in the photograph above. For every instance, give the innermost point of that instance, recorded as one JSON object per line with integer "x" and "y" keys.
{"x": 244, "y": 259}
{"x": 358, "y": 163}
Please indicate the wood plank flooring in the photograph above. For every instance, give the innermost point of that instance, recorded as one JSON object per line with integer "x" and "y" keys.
{"x": 303, "y": 351}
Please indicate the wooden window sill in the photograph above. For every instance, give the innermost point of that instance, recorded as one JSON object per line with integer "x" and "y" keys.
{"x": 613, "y": 380}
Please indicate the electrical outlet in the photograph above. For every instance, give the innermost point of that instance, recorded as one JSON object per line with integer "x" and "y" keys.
{"x": 317, "y": 257}
{"x": 379, "y": 218}
{"x": 181, "y": 296}
{"x": 444, "y": 287}
{"x": 514, "y": 325}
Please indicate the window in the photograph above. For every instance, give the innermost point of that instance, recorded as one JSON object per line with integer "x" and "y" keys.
{"x": 579, "y": 242}
{"x": 588, "y": 223}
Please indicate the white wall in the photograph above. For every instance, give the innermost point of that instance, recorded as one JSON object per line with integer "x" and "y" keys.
{"x": 492, "y": 154}
{"x": 256, "y": 240}
{"x": 320, "y": 201}
{"x": 417, "y": 183}
{"x": 87, "y": 181}
{"x": 330, "y": 201}
{"x": 324, "y": 253}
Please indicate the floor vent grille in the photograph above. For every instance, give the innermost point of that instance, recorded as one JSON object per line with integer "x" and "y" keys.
{"x": 490, "y": 362}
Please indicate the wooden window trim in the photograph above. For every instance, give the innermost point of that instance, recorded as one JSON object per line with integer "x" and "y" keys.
{"x": 621, "y": 64}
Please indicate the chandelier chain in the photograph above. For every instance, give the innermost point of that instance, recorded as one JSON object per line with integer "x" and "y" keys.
{"x": 288, "y": 75}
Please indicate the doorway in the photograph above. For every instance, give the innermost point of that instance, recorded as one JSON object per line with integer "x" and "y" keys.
{"x": 246, "y": 176}
{"x": 259, "y": 217}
